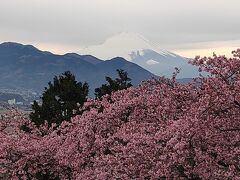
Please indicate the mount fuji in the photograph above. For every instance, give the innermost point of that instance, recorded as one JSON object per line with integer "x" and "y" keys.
{"x": 139, "y": 50}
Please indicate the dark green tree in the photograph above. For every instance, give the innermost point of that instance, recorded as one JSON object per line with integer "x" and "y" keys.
{"x": 122, "y": 82}
{"x": 60, "y": 101}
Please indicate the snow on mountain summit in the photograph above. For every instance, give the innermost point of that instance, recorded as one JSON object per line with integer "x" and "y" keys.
{"x": 137, "y": 49}
{"x": 123, "y": 45}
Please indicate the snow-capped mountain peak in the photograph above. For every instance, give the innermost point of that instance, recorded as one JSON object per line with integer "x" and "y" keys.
{"x": 123, "y": 44}
{"x": 137, "y": 49}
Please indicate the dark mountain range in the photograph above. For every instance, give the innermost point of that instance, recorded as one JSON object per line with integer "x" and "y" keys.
{"x": 28, "y": 67}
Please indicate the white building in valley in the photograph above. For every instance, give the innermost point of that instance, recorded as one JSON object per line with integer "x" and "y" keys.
{"x": 12, "y": 101}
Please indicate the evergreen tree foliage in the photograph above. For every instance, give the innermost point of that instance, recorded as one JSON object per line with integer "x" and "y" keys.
{"x": 123, "y": 82}
{"x": 60, "y": 101}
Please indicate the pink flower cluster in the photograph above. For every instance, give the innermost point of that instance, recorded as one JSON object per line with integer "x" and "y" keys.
{"x": 160, "y": 129}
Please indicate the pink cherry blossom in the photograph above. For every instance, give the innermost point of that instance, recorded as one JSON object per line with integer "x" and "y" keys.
{"x": 160, "y": 129}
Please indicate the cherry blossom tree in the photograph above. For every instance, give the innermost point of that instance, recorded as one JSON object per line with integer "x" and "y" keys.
{"x": 158, "y": 130}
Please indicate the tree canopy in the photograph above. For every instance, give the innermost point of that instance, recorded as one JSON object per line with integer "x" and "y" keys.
{"x": 60, "y": 101}
{"x": 120, "y": 83}
{"x": 158, "y": 130}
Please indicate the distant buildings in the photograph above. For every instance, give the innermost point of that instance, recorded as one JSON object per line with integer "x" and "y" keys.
{"x": 38, "y": 101}
{"x": 19, "y": 103}
{"x": 18, "y": 98}
{"x": 12, "y": 101}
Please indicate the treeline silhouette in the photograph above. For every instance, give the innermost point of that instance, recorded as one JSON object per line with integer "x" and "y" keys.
{"x": 64, "y": 97}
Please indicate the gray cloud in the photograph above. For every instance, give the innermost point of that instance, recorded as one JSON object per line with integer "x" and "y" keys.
{"x": 170, "y": 23}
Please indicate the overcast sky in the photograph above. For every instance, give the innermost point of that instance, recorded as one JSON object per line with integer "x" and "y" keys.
{"x": 183, "y": 26}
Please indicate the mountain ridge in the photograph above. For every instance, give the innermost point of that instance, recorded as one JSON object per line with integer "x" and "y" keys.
{"x": 137, "y": 49}
{"x": 28, "y": 67}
